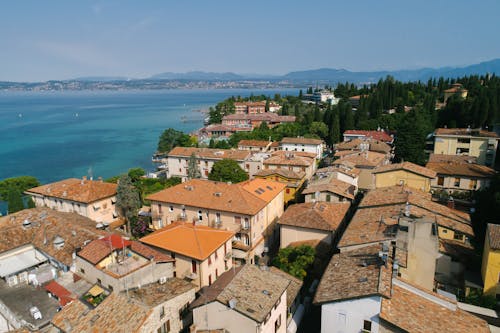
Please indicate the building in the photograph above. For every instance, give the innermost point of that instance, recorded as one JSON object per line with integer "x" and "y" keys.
{"x": 119, "y": 264}
{"x": 201, "y": 253}
{"x": 379, "y": 135}
{"x": 458, "y": 174}
{"x": 37, "y": 246}
{"x": 93, "y": 199}
{"x": 358, "y": 293}
{"x": 406, "y": 173}
{"x": 156, "y": 307}
{"x": 313, "y": 221}
{"x": 327, "y": 188}
{"x": 254, "y": 145}
{"x": 291, "y": 161}
{"x": 344, "y": 172}
{"x": 255, "y": 120}
{"x": 294, "y": 181}
{"x": 249, "y": 300}
{"x": 456, "y": 89}
{"x": 365, "y": 162}
{"x": 467, "y": 142}
{"x": 250, "y": 107}
{"x": 249, "y": 209}
{"x": 362, "y": 144}
{"x": 322, "y": 96}
{"x": 490, "y": 268}
{"x": 301, "y": 144}
{"x": 222, "y": 131}
{"x": 177, "y": 160}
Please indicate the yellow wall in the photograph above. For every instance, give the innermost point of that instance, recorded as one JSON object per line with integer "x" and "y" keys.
{"x": 292, "y": 191}
{"x": 490, "y": 268}
{"x": 446, "y": 233}
{"x": 478, "y": 147}
{"x": 396, "y": 177}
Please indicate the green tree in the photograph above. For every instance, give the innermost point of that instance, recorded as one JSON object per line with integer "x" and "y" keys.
{"x": 295, "y": 260}
{"x": 14, "y": 200}
{"x": 171, "y": 138}
{"x": 20, "y": 184}
{"x": 319, "y": 129}
{"x": 193, "y": 170}
{"x": 227, "y": 170}
{"x": 127, "y": 199}
{"x": 136, "y": 174}
{"x": 410, "y": 139}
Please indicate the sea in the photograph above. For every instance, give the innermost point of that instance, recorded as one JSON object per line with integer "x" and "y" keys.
{"x": 58, "y": 135}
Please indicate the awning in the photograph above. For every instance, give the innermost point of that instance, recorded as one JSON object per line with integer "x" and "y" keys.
{"x": 96, "y": 291}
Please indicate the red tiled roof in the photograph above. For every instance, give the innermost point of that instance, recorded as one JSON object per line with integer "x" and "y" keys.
{"x": 377, "y": 135}
{"x": 315, "y": 215}
{"x": 63, "y": 294}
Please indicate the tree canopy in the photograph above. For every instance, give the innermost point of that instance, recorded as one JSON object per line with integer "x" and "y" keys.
{"x": 227, "y": 170}
{"x": 20, "y": 184}
{"x": 171, "y": 138}
{"x": 127, "y": 199}
{"x": 295, "y": 260}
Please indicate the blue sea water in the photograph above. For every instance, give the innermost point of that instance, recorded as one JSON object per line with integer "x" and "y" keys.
{"x": 57, "y": 135}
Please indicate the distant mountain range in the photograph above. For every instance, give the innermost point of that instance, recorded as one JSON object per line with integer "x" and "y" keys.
{"x": 199, "y": 79}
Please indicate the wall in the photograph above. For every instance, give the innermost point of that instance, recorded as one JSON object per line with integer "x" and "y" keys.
{"x": 215, "y": 315}
{"x": 354, "y": 311}
{"x": 477, "y": 147}
{"x": 366, "y": 180}
{"x": 490, "y": 269}
{"x": 279, "y": 311}
{"x": 345, "y": 178}
{"x": 291, "y": 234}
{"x": 219, "y": 265}
{"x": 465, "y": 183}
{"x": 316, "y": 149}
{"x": 178, "y": 166}
{"x": 396, "y": 177}
{"x": 323, "y": 196}
{"x": 309, "y": 170}
{"x": 171, "y": 312}
{"x": 446, "y": 233}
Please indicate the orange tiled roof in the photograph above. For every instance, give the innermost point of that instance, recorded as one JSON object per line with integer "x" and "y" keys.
{"x": 377, "y": 135}
{"x": 407, "y": 166}
{"x": 332, "y": 185}
{"x": 210, "y": 153}
{"x": 301, "y": 140}
{"x": 440, "y": 158}
{"x": 461, "y": 169}
{"x": 315, "y": 215}
{"x": 291, "y": 158}
{"x": 253, "y": 143}
{"x": 356, "y": 144}
{"x": 361, "y": 159}
{"x": 79, "y": 190}
{"x": 194, "y": 241}
{"x": 46, "y": 225}
{"x": 221, "y": 196}
{"x": 354, "y": 274}
{"x": 281, "y": 172}
{"x": 342, "y": 168}
{"x": 414, "y": 309}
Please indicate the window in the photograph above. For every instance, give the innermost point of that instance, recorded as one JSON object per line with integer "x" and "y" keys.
{"x": 440, "y": 181}
{"x": 99, "y": 281}
{"x": 217, "y": 217}
{"x": 216, "y": 273}
{"x": 277, "y": 303}
{"x": 328, "y": 198}
{"x": 444, "y": 231}
{"x": 82, "y": 271}
{"x": 225, "y": 249}
{"x": 463, "y": 140}
{"x": 246, "y": 224}
{"x": 200, "y": 215}
{"x": 159, "y": 208}
{"x": 367, "y": 326}
{"x": 473, "y": 184}
{"x": 458, "y": 236}
{"x": 110, "y": 287}
{"x": 215, "y": 255}
{"x": 171, "y": 208}
{"x": 457, "y": 182}
{"x": 183, "y": 213}
{"x": 162, "y": 312}
{"x": 277, "y": 323}
{"x": 193, "y": 266}
{"x": 164, "y": 328}
{"x": 104, "y": 206}
{"x": 210, "y": 279}
{"x": 287, "y": 191}
{"x": 209, "y": 260}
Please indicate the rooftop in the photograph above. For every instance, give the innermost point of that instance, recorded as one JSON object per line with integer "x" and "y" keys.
{"x": 354, "y": 274}
{"x": 494, "y": 236}
{"x": 293, "y": 288}
{"x": 330, "y": 184}
{"x": 342, "y": 168}
{"x": 407, "y": 166}
{"x": 416, "y": 310}
{"x": 461, "y": 169}
{"x": 285, "y": 173}
{"x": 254, "y": 143}
{"x": 239, "y": 198}
{"x": 194, "y": 241}
{"x": 476, "y": 132}
{"x": 78, "y": 190}
{"x": 377, "y": 135}
{"x": 359, "y": 144}
{"x": 42, "y": 226}
{"x": 154, "y": 294}
{"x": 315, "y": 215}
{"x": 209, "y": 153}
{"x": 438, "y": 158}
{"x": 301, "y": 140}
{"x": 363, "y": 159}
{"x": 291, "y": 158}
{"x": 268, "y": 117}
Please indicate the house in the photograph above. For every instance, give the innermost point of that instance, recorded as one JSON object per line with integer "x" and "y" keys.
{"x": 250, "y": 107}
{"x": 295, "y": 309}
{"x": 156, "y": 307}
{"x": 456, "y": 89}
{"x": 222, "y": 131}
{"x": 379, "y": 135}
{"x": 201, "y": 253}
{"x": 117, "y": 263}
{"x": 313, "y": 220}
{"x": 249, "y": 209}
{"x": 344, "y": 172}
{"x": 294, "y": 181}
{"x": 255, "y": 120}
{"x": 249, "y": 300}
{"x": 358, "y": 293}
{"x": 90, "y": 198}
{"x": 362, "y": 144}
{"x": 467, "y": 142}
{"x": 292, "y": 161}
{"x": 458, "y": 174}
{"x": 301, "y": 144}
{"x": 327, "y": 188}
{"x": 254, "y": 145}
{"x": 405, "y": 173}
{"x": 178, "y": 160}
{"x": 365, "y": 162}
{"x": 37, "y": 246}
{"x": 490, "y": 268}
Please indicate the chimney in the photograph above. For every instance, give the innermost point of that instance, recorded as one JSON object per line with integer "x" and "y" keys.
{"x": 451, "y": 203}
{"x": 99, "y": 179}
{"x": 84, "y": 178}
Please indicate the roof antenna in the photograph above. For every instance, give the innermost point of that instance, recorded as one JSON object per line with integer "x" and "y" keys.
{"x": 89, "y": 172}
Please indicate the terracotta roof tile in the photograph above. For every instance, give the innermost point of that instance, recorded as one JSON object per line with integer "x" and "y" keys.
{"x": 461, "y": 169}
{"x": 219, "y": 196}
{"x": 331, "y": 184}
{"x": 264, "y": 189}
{"x": 377, "y": 135}
{"x": 267, "y": 117}
{"x": 354, "y": 274}
{"x": 415, "y": 310}
{"x": 79, "y": 190}
{"x": 210, "y": 153}
{"x": 46, "y": 225}
{"x": 363, "y": 159}
{"x": 194, "y": 241}
{"x": 465, "y": 132}
{"x": 253, "y": 143}
{"x": 439, "y": 158}
{"x": 300, "y": 140}
{"x": 357, "y": 144}
{"x": 407, "y": 166}
{"x": 494, "y": 236}
{"x": 315, "y": 215}
{"x": 293, "y": 288}
{"x": 281, "y": 172}
{"x": 291, "y": 158}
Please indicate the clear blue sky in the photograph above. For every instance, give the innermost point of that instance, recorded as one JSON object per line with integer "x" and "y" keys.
{"x": 42, "y": 40}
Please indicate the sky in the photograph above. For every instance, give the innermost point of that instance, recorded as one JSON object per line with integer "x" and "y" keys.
{"x": 60, "y": 39}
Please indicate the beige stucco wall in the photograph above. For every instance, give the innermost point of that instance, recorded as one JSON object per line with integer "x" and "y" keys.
{"x": 465, "y": 183}
{"x": 399, "y": 177}
{"x": 291, "y": 234}
{"x": 145, "y": 275}
{"x": 99, "y": 211}
{"x": 478, "y": 147}
{"x": 323, "y": 196}
{"x": 366, "y": 180}
{"x": 309, "y": 170}
{"x": 171, "y": 312}
{"x": 308, "y": 148}
{"x": 178, "y": 166}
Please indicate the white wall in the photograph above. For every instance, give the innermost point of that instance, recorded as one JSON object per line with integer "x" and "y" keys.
{"x": 348, "y": 316}
{"x": 308, "y": 148}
